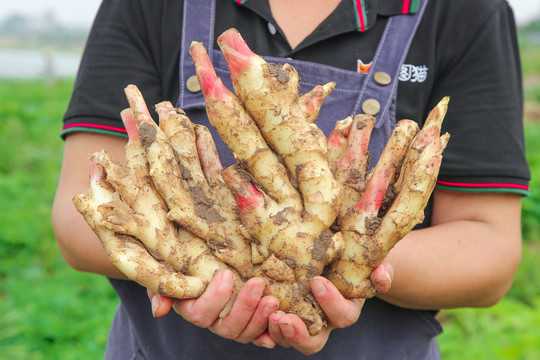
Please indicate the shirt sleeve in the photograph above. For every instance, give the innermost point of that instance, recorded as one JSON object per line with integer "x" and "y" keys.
{"x": 123, "y": 48}
{"x": 481, "y": 73}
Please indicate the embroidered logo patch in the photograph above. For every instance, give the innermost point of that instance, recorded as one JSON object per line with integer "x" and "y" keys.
{"x": 361, "y": 67}
{"x": 413, "y": 73}
{"x": 408, "y": 72}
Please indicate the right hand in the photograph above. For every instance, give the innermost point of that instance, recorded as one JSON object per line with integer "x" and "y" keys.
{"x": 246, "y": 322}
{"x": 288, "y": 330}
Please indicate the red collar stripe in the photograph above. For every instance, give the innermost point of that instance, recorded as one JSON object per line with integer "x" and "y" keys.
{"x": 405, "y": 7}
{"x": 410, "y": 7}
{"x": 361, "y": 19}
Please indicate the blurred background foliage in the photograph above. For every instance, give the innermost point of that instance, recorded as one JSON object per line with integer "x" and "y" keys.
{"x": 49, "y": 311}
{"x": 509, "y": 330}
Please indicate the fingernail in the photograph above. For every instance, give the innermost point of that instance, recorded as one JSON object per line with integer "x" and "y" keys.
{"x": 287, "y": 330}
{"x": 318, "y": 288}
{"x": 388, "y": 278}
{"x": 386, "y": 283}
{"x": 268, "y": 309}
{"x": 267, "y": 345}
{"x": 155, "y": 304}
{"x": 257, "y": 290}
{"x": 275, "y": 318}
{"x": 226, "y": 280}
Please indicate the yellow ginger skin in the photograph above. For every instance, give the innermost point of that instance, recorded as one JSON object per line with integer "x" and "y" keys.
{"x": 382, "y": 207}
{"x": 125, "y": 251}
{"x": 295, "y": 206}
{"x": 286, "y": 194}
{"x": 138, "y": 214}
{"x": 200, "y": 204}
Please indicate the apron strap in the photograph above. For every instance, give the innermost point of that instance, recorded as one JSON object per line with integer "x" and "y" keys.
{"x": 197, "y": 25}
{"x": 389, "y": 57}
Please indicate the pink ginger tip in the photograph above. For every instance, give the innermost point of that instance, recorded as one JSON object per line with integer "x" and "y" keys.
{"x": 236, "y": 52}
{"x": 334, "y": 140}
{"x": 373, "y": 196}
{"x": 96, "y": 171}
{"x": 211, "y": 85}
{"x": 250, "y": 200}
{"x": 128, "y": 118}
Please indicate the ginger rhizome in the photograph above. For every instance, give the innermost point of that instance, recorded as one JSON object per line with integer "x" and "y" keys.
{"x": 285, "y": 191}
{"x": 172, "y": 171}
{"x": 381, "y": 206}
{"x": 295, "y": 205}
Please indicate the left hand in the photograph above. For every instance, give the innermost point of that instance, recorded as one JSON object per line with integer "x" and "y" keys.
{"x": 247, "y": 320}
{"x": 289, "y": 330}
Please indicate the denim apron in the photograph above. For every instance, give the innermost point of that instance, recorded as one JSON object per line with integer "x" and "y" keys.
{"x": 383, "y": 331}
{"x": 351, "y": 91}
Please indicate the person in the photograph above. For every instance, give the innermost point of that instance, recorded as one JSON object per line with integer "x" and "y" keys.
{"x": 464, "y": 254}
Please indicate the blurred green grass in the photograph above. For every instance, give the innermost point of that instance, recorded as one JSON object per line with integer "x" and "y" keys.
{"x": 49, "y": 311}
{"x": 509, "y": 330}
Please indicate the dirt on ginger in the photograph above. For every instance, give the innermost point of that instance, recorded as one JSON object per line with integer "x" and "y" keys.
{"x": 296, "y": 204}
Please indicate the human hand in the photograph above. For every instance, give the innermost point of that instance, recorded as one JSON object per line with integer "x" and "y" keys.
{"x": 289, "y": 330}
{"x": 247, "y": 320}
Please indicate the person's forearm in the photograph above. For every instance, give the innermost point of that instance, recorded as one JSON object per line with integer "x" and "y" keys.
{"x": 79, "y": 245}
{"x": 453, "y": 265}
{"x": 460, "y": 263}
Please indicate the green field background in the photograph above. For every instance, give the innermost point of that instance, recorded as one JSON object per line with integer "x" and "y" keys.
{"x": 49, "y": 311}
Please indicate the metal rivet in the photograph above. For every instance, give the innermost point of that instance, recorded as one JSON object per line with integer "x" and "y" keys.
{"x": 192, "y": 84}
{"x": 371, "y": 107}
{"x": 382, "y": 78}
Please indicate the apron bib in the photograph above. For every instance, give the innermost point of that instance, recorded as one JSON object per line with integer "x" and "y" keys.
{"x": 351, "y": 91}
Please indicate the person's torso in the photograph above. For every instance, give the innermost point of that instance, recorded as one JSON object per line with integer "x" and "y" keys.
{"x": 383, "y": 331}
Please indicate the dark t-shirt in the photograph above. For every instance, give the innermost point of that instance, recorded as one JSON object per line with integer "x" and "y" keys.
{"x": 463, "y": 49}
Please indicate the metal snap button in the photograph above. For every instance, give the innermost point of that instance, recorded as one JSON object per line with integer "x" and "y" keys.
{"x": 192, "y": 84}
{"x": 371, "y": 107}
{"x": 272, "y": 29}
{"x": 382, "y": 78}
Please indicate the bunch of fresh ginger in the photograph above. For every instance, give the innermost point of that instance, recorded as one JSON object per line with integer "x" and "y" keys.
{"x": 296, "y": 205}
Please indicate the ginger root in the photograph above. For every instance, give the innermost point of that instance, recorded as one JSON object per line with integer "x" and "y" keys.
{"x": 128, "y": 206}
{"x": 295, "y": 205}
{"x": 380, "y": 207}
{"x": 286, "y": 194}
